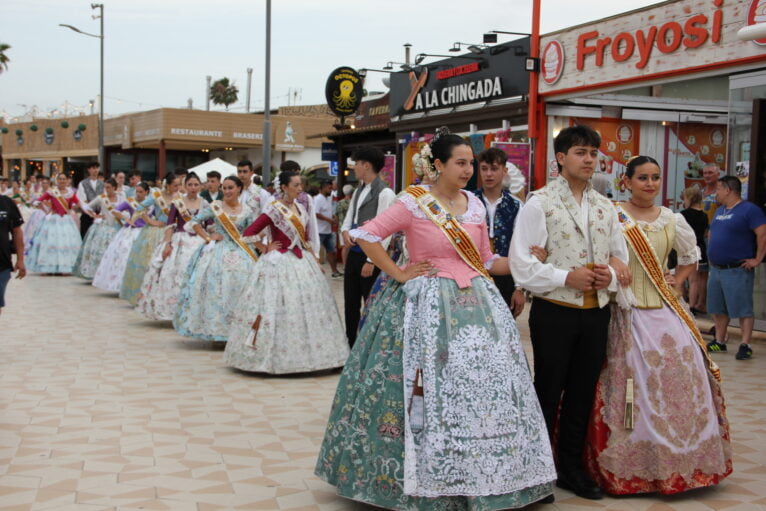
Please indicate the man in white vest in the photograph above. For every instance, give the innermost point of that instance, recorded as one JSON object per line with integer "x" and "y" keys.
{"x": 569, "y": 318}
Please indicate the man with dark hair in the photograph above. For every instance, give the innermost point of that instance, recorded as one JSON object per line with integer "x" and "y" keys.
{"x": 181, "y": 174}
{"x": 736, "y": 246}
{"x": 11, "y": 241}
{"x": 502, "y": 208}
{"x": 134, "y": 177}
{"x": 325, "y": 222}
{"x": 212, "y": 189}
{"x": 371, "y": 198}
{"x": 569, "y": 318}
{"x": 252, "y": 194}
{"x": 88, "y": 189}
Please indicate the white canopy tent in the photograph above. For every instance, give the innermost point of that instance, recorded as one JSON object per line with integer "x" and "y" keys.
{"x": 226, "y": 169}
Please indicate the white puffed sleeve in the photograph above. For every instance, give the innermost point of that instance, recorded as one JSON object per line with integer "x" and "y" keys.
{"x": 685, "y": 243}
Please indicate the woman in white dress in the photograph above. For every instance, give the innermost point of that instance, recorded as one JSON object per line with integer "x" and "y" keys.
{"x": 161, "y": 288}
{"x": 106, "y": 225}
{"x": 287, "y": 320}
{"x": 111, "y": 269}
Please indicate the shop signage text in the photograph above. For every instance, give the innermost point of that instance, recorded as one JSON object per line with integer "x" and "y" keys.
{"x": 668, "y": 38}
{"x": 196, "y": 133}
{"x": 471, "y": 91}
{"x": 457, "y": 71}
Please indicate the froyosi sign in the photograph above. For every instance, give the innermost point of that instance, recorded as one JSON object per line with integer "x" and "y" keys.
{"x": 496, "y": 73}
{"x": 344, "y": 91}
{"x": 674, "y": 37}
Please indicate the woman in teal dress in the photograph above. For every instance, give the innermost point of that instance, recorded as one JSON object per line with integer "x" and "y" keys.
{"x": 216, "y": 274}
{"x": 435, "y": 408}
{"x": 156, "y": 207}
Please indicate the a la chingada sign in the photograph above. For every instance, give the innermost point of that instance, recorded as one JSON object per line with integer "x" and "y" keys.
{"x": 671, "y": 38}
{"x": 344, "y": 91}
{"x": 497, "y": 73}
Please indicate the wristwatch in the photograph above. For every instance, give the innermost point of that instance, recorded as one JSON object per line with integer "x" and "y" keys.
{"x": 370, "y": 261}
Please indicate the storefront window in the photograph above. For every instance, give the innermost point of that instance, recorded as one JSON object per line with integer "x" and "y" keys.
{"x": 147, "y": 164}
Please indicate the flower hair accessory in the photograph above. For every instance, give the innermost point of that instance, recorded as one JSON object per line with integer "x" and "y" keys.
{"x": 422, "y": 163}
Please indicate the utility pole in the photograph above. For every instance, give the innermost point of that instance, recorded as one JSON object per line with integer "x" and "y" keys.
{"x": 208, "y": 81}
{"x": 267, "y": 104}
{"x": 249, "y": 87}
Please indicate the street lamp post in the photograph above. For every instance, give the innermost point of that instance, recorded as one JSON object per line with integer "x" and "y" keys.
{"x": 100, "y": 17}
{"x": 266, "y": 103}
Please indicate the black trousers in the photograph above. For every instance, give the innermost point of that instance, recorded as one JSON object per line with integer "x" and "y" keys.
{"x": 85, "y": 222}
{"x": 506, "y": 286}
{"x": 569, "y": 347}
{"x": 355, "y": 291}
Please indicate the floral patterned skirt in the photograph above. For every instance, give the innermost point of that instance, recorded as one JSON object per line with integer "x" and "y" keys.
{"x": 363, "y": 453}
{"x": 96, "y": 241}
{"x": 161, "y": 288}
{"x": 111, "y": 269}
{"x": 680, "y": 435}
{"x": 31, "y": 227}
{"x": 56, "y": 245}
{"x": 211, "y": 291}
{"x": 138, "y": 262}
{"x": 300, "y": 329}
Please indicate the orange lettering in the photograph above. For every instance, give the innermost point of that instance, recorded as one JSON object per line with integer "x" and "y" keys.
{"x": 627, "y": 52}
{"x": 645, "y": 43}
{"x": 601, "y": 44}
{"x": 583, "y": 49}
{"x": 695, "y": 35}
{"x": 717, "y": 22}
{"x": 662, "y": 37}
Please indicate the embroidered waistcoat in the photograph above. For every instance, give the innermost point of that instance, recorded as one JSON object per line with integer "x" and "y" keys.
{"x": 566, "y": 244}
{"x": 661, "y": 239}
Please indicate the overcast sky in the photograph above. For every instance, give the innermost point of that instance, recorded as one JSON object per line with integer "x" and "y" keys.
{"x": 158, "y": 52}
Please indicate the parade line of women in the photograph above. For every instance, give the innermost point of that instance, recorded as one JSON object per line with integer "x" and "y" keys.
{"x": 436, "y": 407}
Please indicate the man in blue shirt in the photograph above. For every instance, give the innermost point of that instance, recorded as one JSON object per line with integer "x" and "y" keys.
{"x": 736, "y": 246}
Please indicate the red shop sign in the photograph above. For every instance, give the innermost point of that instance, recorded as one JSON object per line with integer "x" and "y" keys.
{"x": 667, "y": 38}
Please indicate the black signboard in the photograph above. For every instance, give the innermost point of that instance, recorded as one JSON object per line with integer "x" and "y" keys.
{"x": 497, "y": 72}
{"x": 344, "y": 91}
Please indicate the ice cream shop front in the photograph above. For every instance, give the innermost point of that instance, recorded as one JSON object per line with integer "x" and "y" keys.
{"x": 663, "y": 81}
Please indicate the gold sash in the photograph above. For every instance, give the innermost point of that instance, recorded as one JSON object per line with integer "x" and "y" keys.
{"x": 182, "y": 209}
{"x": 160, "y": 201}
{"x": 291, "y": 217}
{"x": 457, "y": 236}
{"x": 651, "y": 265}
{"x": 136, "y": 214}
{"x": 57, "y": 194}
{"x": 110, "y": 208}
{"x": 231, "y": 229}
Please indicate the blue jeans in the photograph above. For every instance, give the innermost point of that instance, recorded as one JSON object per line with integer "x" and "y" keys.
{"x": 730, "y": 292}
{"x": 5, "y": 276}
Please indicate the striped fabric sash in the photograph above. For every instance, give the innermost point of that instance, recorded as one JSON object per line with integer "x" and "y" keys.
{"x": 451, "y": 228}
{"x": 160, "y": 201}
{"x": 651, "y": 265}
{"x": 110, "y": 208}
{"x": 231, "y": 229}
{"x": 294, "y": 221}
{"x": 182, "y": 209}
{"x": 57, "y": 194}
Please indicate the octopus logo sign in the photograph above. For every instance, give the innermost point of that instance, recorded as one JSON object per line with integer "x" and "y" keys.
{"x": 757, "y": 14}
{"x": 344, "y": 91}
{"x": 553, "y": 62}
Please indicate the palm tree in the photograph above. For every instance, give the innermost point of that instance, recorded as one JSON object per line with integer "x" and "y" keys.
{"x": 223, "y": 93}
{"x": 3, "y": 57}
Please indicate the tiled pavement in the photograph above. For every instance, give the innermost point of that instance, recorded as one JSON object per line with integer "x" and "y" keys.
{"x": 100, "y": 409}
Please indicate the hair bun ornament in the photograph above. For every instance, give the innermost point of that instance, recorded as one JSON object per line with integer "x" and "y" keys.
{"x": 439, "y": 133}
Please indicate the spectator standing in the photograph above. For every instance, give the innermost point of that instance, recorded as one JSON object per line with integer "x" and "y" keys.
{"x": 212, "y": 192}
{"x": 325, "y": 223}
{"x": 341, "y": 208}
{"x": 502, "y": 208}
{"x": 88, "y": 189}
{"x": 369, "y": 200}
{"x": 11, "y": 241}
{"x": 737, "y": 245}
{"x": 697, "y": 219}
{"x": 710, "y": 174}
